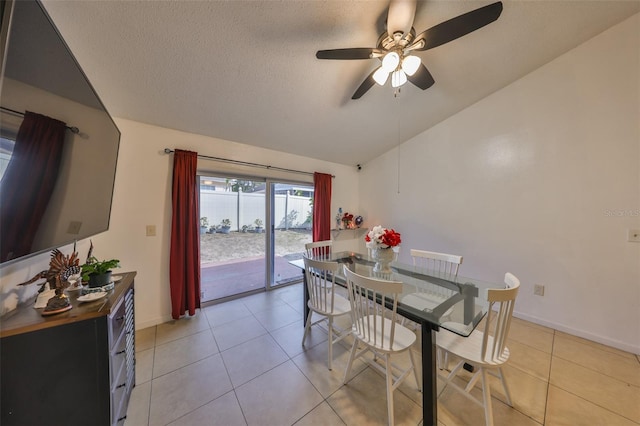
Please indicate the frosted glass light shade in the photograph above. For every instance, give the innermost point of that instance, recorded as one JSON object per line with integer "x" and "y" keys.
{"x": 380, "y": 76}
{"x": 410, "y": 64}
{"x": 390, "y": 61}
{"x": 398, "y": 78}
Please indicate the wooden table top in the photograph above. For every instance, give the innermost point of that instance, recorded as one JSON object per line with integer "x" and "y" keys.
{"x": 25, "y": 318}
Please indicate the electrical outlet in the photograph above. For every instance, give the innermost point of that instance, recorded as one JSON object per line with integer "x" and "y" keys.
{"x": 633, "y": 235}
{"x": 538, "y": 290}
{"x": 151, "y": 230}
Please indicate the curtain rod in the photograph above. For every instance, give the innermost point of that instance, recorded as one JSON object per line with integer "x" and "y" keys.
{"x": 246, "y": 163}
{"x": 73, "y": 129}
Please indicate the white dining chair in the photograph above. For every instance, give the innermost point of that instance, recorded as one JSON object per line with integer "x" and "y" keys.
{"x": 441, "y": 265}
{"x": 324, "y": 301}
{"x": 319, "y": 249}
{"x": 485, "y": 351}
{"x": 378, "y": 331}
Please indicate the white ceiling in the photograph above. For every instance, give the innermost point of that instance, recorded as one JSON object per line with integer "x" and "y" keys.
{"x": 246, "y": 71}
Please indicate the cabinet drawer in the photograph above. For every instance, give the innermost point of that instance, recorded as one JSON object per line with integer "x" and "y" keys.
{"x": 117, "y": 321}
{"x": 118, "y": 397}
{"x": 118, "y": 358}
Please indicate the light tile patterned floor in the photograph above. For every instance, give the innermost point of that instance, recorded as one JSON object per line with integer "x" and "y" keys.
{"x": 241, "y": 363}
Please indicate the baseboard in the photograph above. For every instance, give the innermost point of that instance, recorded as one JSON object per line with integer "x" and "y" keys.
{"x": 634, "y": 349}
{"x": 141, "y": 325}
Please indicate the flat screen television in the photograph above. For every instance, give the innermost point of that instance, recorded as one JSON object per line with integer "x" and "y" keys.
{"x": 40, "y": 75}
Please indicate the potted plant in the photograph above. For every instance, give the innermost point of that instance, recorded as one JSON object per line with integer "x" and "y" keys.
{"x": 258, "y": 223}
{"x": 225, "y": 226}
{"x": 98, "y": 272}
{"x": 204, "y": 224}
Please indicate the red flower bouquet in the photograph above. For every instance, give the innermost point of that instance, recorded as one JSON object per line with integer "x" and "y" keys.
{"x": 380, "y": 237}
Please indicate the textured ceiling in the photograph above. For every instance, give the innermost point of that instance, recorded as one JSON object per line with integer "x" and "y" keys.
{"x": 246, "y": 71}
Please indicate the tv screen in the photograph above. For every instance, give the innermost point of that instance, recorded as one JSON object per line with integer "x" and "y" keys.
{"x": 58, "y": 144}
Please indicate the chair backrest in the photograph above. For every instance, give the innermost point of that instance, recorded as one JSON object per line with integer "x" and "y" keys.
{"x": 319, "y": 249}
{"x": 320, "y": 276}
{"x": 498, "y": 327}
{"x": 444, "y": 265}
{"x": 368, "y": 316}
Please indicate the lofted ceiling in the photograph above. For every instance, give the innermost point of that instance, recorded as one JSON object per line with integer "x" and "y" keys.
{"x": 246, "y": 71}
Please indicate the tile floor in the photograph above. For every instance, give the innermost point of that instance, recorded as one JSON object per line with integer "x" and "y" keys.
{"x": 241, "y": 363}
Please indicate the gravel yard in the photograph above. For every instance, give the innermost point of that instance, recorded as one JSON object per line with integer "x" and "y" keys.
{"x": 241, "y": 245}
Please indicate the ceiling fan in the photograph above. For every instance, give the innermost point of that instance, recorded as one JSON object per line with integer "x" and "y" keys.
{"x": 396, "y": 45}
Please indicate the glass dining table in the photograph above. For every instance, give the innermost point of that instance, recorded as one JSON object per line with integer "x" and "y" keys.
{"x": 429, "y": 299}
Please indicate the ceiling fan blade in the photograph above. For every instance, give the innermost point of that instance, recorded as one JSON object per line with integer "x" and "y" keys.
{"x": 365, "y": 86}
{"x": 352, "y": 53}
{"x": 457, "y": 27}
{"x": 422, "y": 78}
{"x": 400, "y": 17}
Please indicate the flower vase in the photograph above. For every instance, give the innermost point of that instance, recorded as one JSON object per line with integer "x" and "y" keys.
{"x": 383, "y": 258}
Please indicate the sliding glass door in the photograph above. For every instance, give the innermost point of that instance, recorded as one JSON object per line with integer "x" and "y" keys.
{"x": 291, "y": 218}
{"x": 232, "y": 237}
{"x": 250, "y": 229}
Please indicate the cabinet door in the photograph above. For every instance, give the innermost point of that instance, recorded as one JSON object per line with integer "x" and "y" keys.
{"x": 56, "y": 376}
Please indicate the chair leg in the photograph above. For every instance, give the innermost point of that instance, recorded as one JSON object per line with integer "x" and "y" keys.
{"x": 486, "y": 395}
{"x": 389, "y": 377}
{"x": 442, "y": 358}
{"x": 330, "y": 341}
{"x": 307, "y": 327}
{"x": 352, "y": 355}
{"x": 415, "y": 370}
{"x": 505, "y": 387}
{"x": 449, "y": 377}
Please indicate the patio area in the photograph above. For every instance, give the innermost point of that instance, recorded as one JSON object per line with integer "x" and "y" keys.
{"x": 234, "y": 263}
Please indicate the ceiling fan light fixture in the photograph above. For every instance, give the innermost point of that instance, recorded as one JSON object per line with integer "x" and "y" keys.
{"x": 398, "y": 78}
{"x": 396, "y": 45}
{"x": 380, "y": 76}
{"x": 410, "y": 64}
{"x": 390, "y": 61}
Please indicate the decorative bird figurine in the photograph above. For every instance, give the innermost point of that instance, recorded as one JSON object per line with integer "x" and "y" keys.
{"x": 61, "y": 267}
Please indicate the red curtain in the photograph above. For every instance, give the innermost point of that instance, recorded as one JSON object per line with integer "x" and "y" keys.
{"x": 185, "y": 236}
{"x": 321, "y": 207}
{"x": 28, "y": 182}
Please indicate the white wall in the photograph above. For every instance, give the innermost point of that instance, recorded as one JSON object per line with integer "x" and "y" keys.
{"x": 541, "y": 179}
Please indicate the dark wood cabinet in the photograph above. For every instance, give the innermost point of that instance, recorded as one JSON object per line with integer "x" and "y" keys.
{"x": 74, "y": 368}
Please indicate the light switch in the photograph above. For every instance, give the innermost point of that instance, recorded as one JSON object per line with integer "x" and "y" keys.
{"x": 151, "y": 230}
{"x": 633, "y": 236}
